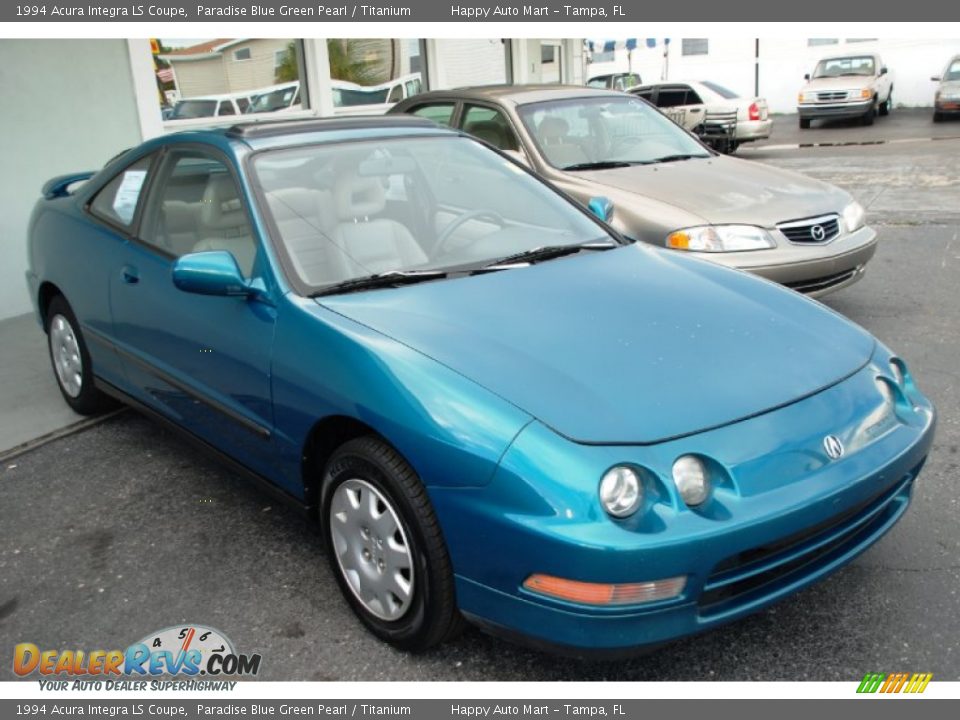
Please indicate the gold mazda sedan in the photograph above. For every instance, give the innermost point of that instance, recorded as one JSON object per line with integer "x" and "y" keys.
{"x": 663, "y": 185}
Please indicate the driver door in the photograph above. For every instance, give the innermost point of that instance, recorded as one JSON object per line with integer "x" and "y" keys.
{"x": 199, "y": 360}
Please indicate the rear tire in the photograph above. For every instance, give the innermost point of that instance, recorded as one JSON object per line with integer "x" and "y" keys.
{"x": 385, "y": 546}
{"x": 71, "y": 360}
{"x": 804, "y": 123}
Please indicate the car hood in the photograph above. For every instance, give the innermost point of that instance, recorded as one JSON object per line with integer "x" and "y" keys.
{"x": 726, "y": 190}
{"x": 634, "y": 345}
{"x": 848, "y": 82}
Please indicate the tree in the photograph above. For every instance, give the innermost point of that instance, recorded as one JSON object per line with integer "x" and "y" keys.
{"x": 289, "y": 69}
{"x": 347, "y": 63}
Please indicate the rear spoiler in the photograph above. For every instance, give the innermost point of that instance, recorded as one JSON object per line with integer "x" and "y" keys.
{"x": 60, "y": 185}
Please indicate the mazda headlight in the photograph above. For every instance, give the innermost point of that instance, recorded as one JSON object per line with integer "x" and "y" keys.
{"x": 721, "y": 238}
{"x": 853, "y": 216}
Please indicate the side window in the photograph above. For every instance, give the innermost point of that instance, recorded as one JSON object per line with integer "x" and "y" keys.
{"x": 646, "y": 93}
{"x": 396, "y": 94}
{"x": 693, "y": 98}
{"x": 226, "y": 108}
{"x": 243, "y": 104}
{"x": 441, "y": 113}
{"x": 489, "y": 125}
{"x": 117, "y": 200}
{"x": 671, "y": 97}
{"x": 197, "y": 206}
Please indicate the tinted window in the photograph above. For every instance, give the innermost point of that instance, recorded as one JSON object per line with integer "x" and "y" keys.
{"x": 198, "y": 207}
{"x": 117, "y": 201}
{"x": 645, "y": 93}
{"x": 598, "y": 82}
{"x": 441, "y": 113}
{"x": 489, "y": 125}
{"x": 396, "y": 94}
{"x": 672, "y": 97}
{"x": 194, "y": 109}
{"x": 226, "y": 108}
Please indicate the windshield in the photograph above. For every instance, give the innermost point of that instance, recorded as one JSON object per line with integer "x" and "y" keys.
{"x": 194, "y": 109}
{"x": 273, "y": 101}
{"x": 352, "y": 210}
{"x": 843, "y": 67}
{"x": 720, "y": 90}
{"x": 578, "y": 133}
{"x": 954, "y": 72}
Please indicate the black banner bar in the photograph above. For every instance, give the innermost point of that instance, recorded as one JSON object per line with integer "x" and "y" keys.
{"x": 478, "y": 11}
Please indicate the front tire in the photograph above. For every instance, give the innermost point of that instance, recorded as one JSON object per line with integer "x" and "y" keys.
{"x": 71, "y": 360}
{"x": 888, "y": 105}
{"x": 937, "y": 117}
{"x": 804, "y": 123}
{"x": 385, "y": 547}
{"x": 869, "y": 116}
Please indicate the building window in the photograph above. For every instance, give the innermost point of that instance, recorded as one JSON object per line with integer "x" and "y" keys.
{"x": 241, "y": 54}
{"x": 856, "y": 40}
{"x": 280, "y": 57}
{"x": 694, "y": 46}
{"x": 548, "y": 53}
{"x": 603, "y": 56}
{"x": 814, "y": 42}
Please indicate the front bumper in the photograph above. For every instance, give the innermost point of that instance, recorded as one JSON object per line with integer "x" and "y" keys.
{"x": 789, "y": 518}
{"x": 811, "y": 268}
{"x": 812, "y": 111}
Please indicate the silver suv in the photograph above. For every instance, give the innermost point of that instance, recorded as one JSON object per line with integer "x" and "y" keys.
{"x": 847, "y": 86}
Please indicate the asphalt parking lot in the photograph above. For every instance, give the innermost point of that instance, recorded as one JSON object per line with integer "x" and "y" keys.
{"x": 108, "y": 534}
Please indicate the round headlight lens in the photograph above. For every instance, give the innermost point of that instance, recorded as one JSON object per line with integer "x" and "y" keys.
{"x": 692, "y": 481}
{"x": 621, "y": 492}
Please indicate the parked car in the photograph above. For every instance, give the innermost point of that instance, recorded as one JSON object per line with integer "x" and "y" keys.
{"x": 846, "y": 86}
{"x": 946, "y": 101}
{"x": 668, "y": 188}
{"x": 711, "y": 111}
{"x": 281, "y": 98}
{"x": 615, "y": 81}
{"x": 352, "y": 99}
{"x": 497, "y": 407}
{"x": 210, "y": 106}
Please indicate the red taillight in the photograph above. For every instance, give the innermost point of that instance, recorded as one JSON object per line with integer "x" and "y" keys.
{"x": 754, "y": 111}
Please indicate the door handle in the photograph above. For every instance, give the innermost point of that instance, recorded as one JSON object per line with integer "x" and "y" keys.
{"x": 695, "y": 110}
{"x": 130, "y": 275}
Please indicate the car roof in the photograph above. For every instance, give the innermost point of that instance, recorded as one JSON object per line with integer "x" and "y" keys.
{"x": 516, "y": 94}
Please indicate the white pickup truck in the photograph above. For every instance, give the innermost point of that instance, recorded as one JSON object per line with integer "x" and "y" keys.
{"x": 847, "y": 86}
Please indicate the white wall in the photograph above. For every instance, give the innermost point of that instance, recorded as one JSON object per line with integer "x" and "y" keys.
{"x": 783, "y": 63}
{"x": 70, "y": 106}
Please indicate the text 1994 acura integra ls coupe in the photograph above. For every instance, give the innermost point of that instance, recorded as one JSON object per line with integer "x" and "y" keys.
{"x": 499, "y": 409}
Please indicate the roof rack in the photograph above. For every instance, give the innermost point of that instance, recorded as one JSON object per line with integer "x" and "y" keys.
{"x": 269, "y": 128}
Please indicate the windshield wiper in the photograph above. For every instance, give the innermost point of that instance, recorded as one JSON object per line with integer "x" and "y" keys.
{"x": 391, "y": 278}
{"x": 601, "y": 165}
{"x": 544, "y": 252}
{"x": 675, "y": 158}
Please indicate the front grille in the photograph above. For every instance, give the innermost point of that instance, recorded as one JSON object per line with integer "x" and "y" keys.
{"x": 811, "y": 230}
{"x": 832, "y": 96}
{"x": 759, "y": 571}
{"x": 823, "y": 283}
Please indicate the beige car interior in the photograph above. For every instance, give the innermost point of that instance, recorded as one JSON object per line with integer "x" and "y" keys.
{"x": 554, "y": 136}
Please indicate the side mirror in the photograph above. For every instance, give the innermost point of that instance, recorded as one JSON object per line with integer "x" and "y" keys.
{"x": 807, "y": 76}
{"x": 936, "y": 78}
{"x": 602, "y": 207}
{"x": 214, "y": 272}
{"x": 883, "y": 71}
{"x": 519, "y": 155}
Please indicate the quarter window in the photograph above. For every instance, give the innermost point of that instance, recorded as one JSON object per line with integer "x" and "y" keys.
{"x": 441, "y": 113}
{"x": 117, "y": 201}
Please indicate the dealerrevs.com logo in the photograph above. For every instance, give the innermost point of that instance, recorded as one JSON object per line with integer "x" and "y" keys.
{"x": 179, "y": 651}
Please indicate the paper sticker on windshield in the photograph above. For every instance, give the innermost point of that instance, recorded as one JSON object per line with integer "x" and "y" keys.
{"x": 125, "y": 201}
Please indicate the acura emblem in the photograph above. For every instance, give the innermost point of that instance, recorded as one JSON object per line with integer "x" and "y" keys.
{"x": 833, "y": 446}
{"x": 818, "y": 232}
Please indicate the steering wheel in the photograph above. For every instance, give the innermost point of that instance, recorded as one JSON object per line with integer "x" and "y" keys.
{"x": 444, "y": 237}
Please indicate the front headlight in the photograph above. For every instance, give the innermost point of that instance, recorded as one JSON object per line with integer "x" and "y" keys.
{"x": 720, "y": 238}
{"x": 621, "y": 492}
{"x": 692, "y": 481}
{"x": 805, "y": 97}
{"x": 853, "y": 216}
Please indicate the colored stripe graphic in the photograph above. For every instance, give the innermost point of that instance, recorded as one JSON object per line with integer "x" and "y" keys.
{"x": 894, "y": 682}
